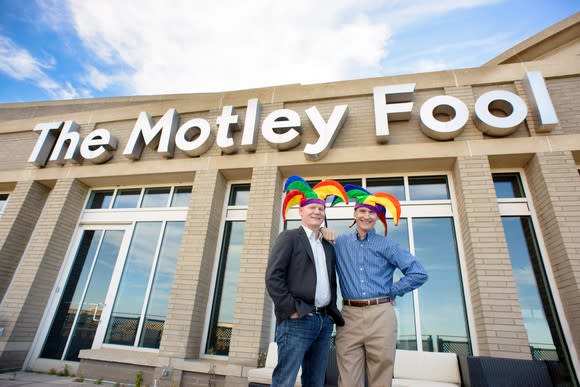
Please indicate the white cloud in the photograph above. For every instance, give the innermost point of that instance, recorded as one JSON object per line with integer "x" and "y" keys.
{"x": 20, "y": 64}
{"x": 182, "y": 46}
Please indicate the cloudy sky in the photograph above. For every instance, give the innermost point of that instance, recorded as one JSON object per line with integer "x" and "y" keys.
{"x": 61, "y": 49}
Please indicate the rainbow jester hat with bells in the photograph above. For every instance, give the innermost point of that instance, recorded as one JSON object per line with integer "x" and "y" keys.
{"x": 377, "y": 202}
{"x": 298, "y": 192}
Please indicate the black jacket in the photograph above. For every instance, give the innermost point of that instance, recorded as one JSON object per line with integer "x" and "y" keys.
{"x": 291, "y": 276}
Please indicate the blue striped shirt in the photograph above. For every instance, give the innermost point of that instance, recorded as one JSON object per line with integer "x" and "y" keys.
{"x": 365, "y": 267}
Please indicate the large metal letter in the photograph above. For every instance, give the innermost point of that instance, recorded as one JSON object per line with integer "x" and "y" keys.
{"x": 70, "y": 133}
{"x": 227, "y": 120}
{"x": 144, "y": 134}
{"x": 539, "y": 96}
{"x": 327, "y": 131}
{"x": 250, "y": 135}
{"x": 185, "y": 137}
{"x": 282, "y": 119}
{"x": 391, "y": 104}
{"x": 48, "y": 134}
{"x": 97, "y": 145}
{"x": 443, "y": 104}
{"x": 510, "y": 104}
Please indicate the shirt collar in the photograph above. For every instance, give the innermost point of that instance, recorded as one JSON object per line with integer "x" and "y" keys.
{"x": 311, "y": 234}
{"x": 371, "y": 233}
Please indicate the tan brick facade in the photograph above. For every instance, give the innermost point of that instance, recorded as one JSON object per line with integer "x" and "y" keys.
{"x": 45, "y": 205}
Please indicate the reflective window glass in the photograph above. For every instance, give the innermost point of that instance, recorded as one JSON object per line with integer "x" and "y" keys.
{"x": 3, "y": 199}
{"x": 224, "y": 301}
{"x": 508, "y": 185}
{"x": 181, "y": 196}
{"x": 239, "y": 195}
{"x": 161, "y": 289}
{"x": 442, "y": 307}
{"x": 524, "y": 255}
{"x": 126, "y": 314}
{"x": 127, "y": 198}
{"x": 100, "y": 199}
{"x": 156, "y": 197}
{"x": 393, "y": 185}
{"x": 428, "y": 188}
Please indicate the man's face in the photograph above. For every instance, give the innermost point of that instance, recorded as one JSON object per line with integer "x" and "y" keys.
{"x": 312, "y": 215}
{"x": 365, "y": 219}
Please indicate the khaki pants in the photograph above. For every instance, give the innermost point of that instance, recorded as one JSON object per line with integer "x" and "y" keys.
{"x": 368, "y": 336}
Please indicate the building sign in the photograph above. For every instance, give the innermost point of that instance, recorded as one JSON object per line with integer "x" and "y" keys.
{"x": 60, "y": 141}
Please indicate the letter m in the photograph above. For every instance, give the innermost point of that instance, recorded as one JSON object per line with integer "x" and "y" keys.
{"x": 162, "y": 135}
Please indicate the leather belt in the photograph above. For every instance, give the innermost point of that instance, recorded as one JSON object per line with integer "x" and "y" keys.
{"x": 370, "y": 301}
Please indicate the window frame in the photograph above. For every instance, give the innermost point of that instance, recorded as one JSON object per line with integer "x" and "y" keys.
{"x": 230, "y": 213}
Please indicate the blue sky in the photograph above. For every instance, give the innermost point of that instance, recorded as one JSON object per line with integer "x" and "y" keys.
{"x": 62, "y": 49}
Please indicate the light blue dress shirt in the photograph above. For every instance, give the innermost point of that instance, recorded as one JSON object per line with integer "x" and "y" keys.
{"x": 365, "y": 267}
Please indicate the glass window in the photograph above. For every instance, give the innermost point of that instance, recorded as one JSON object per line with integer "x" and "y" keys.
{"x": 161, "y": 288}
{"x": 428, "y": 188}
{"x": 76, "y": 320}
{"x": 156, "y": 197}
{"x": 393, "y": 185}
{"x": 442, "y": 307}
{"x": 181, "y": 197}
{"x": 350, "y": 181}
{"x": 508, "y": 185}
{"x": 224, "y": 301}
{"x": 239, "y": 195}
{"x": 100, "y": 199}
{"x": 524, "y": 254}
{"x": 145, "y": 260}
{"x": 3, "y": 200}
{"x": 127, "y": 198}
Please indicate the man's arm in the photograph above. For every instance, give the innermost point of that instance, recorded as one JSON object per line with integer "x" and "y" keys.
{"x": 413, "y": 271}
{"x": 276, "y": 275}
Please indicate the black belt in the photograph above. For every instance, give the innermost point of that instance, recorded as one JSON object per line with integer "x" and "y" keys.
{"x": 370, "y": 301}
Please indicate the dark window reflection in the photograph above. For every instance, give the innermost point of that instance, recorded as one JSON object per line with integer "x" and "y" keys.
{"x": 508, "y": 185}
{"x": 156, "y": 197}
{"x": 224, "y": 300}
{"x": 126, "y": 314}
{"x": 442, "y": 306}
{"x": 161, "y": 289}
{"x": 3, "y": 199}
{"x": 181, "y": 196}
{"x": 127, "y": 198}
{"x": 239, "y": 195}
{"x": 393, "y": 185}
{"x": 428, "y": 188}
{"x": 100, "y": 199}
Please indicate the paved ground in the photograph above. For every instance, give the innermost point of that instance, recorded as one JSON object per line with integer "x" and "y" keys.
{"x": 31, "y": 379}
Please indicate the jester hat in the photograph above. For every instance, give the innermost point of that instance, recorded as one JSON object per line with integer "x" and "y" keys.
{"x": 377, "y": 202}
{"x": 298, "y": 191}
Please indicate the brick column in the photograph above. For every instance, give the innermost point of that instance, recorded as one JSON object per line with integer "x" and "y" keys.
{"x": 498, "y": 321}
{"x": 26, "y": 298}
{"x": 183, "y": 330}
{"x": 253, "y": 314}
{"x": 555, "y": 187}
{"x": 16, "y": 226}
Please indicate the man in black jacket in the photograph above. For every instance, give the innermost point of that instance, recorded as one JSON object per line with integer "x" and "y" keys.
{"x": 301, "y": 281}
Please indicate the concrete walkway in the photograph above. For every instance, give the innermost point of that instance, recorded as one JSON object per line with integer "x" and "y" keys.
{"x": 31, "y": 379}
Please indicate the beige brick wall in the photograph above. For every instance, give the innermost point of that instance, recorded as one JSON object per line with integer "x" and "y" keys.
{"x": 252, "y": 319}
{"x": 499, "y": 327}
{"x": 182, "y": 334}
{"x": 25, "y": 300}
{"x": 555, "y": 187}
{"x": 16, "y": 225}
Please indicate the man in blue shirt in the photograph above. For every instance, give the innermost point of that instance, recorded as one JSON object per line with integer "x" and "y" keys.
{"x": 366, "y": 262}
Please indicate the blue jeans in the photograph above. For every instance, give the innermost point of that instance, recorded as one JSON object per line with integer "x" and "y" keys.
{"x": 302, "y": 342}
